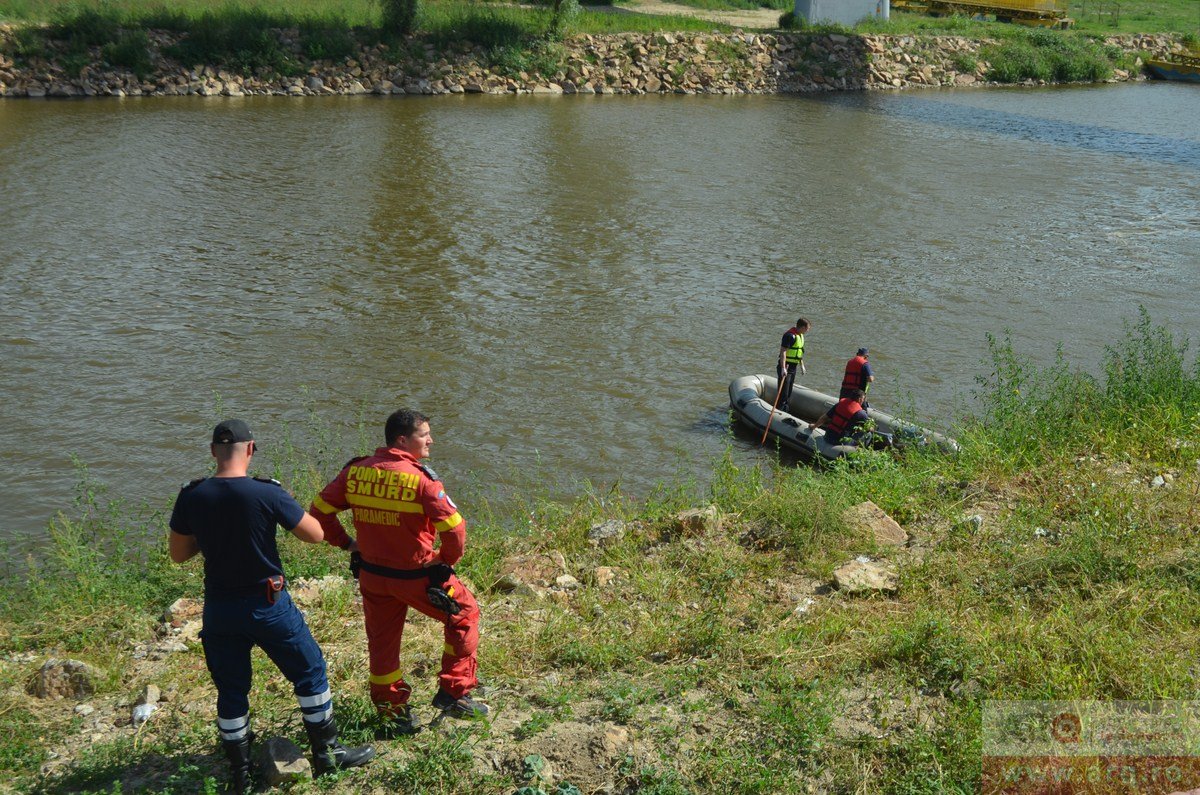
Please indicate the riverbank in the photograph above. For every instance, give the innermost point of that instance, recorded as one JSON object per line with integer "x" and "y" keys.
{"x": 619, "y": 63}
{"x": 701, "y": 640}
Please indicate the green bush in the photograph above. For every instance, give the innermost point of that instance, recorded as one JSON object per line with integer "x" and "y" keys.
{"x": 243, "y": 40}
{"x": 132, "y": 51}
{"x": 327, "y": 39}
{"x": 1049, "y": 55}
{"x": 398, "y": 16}
{"x": 90, "y": 27}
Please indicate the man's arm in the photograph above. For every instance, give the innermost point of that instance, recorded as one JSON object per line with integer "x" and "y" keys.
{"x": 325, "y": 508}
{"x": 783, "y": 358}
{"x": 182, "y": 548}
{"x": 309, "y": 530}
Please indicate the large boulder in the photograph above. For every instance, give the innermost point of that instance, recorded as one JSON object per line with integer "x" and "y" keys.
{"x": 869, "y": 517}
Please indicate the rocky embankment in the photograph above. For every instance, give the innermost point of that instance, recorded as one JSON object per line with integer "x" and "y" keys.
{"x": 732, "y": 63}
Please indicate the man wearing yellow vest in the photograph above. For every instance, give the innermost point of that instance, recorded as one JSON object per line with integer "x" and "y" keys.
{"x": 791, "y": 357}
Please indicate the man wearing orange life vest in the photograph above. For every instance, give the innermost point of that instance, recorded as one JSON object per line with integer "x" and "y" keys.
{"x": 400, "y": 509}
{"x": 843, "y": 419}
{"x": 858, "y": 376}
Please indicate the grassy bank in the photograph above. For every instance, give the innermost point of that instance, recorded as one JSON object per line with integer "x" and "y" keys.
{"x": 716, "y": 660}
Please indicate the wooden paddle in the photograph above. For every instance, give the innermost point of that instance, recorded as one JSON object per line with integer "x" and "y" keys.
{"x": 772, "y": 415}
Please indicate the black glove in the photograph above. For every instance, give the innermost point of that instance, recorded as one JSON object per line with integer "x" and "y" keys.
{"x": 355, "y": 564}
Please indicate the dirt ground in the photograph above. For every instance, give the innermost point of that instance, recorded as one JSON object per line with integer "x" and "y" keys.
{"x": 761, "y": 18}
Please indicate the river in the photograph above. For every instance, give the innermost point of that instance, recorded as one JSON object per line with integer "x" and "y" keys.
{"x": 566, "y": 284}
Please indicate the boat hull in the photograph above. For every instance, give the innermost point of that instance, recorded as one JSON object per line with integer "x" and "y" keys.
{"x": 1172, "y": 70}
{"x": 752, "y": 396}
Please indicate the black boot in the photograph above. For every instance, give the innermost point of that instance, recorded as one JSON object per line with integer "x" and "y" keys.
{"x": 330, "y": 755}
{"x": 238, "y": 752}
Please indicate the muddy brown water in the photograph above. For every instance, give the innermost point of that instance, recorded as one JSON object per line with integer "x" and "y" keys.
{"x": 567, "y": 284}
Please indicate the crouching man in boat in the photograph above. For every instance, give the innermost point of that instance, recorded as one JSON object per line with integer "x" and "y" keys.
{"x": 400, "y": 510}
{"x": 791, "y": 358}
{"x": 858, "y": 376}
{"x": 231, "y": 519}
{"x": 846, "y": 421}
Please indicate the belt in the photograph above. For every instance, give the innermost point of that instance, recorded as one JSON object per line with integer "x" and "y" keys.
{"x": 268, "y": 588}
{"x": 395, "y": 574}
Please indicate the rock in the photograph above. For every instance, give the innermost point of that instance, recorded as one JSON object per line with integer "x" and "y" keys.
{"x": 567, "y": 582}
{"x": 308, "y": 590}
{"x": 283, "y": 762}
{"x": 231, "y": 89}
{"x": 63, "y": 679}
{"x": 83, "y": 710}
{"x": 150, "y": 695}
{"x": 1158, "y": 482}
{"x": 526, "y": 571}
{"x": 698, "y": 521}
{"x": 605, "y": 575}
{"x": 473, "y": 88}
{"x": 142, "y": 712}
{"x": 552, "y": 88}
{"x": 182, "y": 610}
{"x": 653, "y": 84}
{"x": 35, "y": 91}
{"x": 314, "y": 83}
{"x": 859, "y": 578}
{"x": 607, "y": 532}
{"x": 964, "y": 80}
{"x": 867, "y": 516}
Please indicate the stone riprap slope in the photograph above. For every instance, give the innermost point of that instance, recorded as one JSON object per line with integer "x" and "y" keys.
{"x": 717, "y": 63}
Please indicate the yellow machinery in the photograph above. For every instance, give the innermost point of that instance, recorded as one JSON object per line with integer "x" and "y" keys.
{"x": 1036, "y": 13}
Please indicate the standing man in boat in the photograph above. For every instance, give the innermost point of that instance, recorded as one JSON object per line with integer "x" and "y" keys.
{"x": 858, "y": 376}
{"x": 400, "y": 509}
{"x": 844, "y": 420}
{"x": 791, "y": 357}
{"x": 231, "y": 519}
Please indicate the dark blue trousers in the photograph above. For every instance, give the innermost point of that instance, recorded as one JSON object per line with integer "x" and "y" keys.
{"x": 232, "y": 625}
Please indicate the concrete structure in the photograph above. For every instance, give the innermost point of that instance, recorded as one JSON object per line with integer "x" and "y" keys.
{"x": 843, "y": 12}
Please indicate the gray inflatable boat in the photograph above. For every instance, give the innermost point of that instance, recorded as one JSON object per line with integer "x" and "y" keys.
{"x": 751, "y": 397}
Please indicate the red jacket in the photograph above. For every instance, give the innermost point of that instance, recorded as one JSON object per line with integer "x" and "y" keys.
{"x": 854, "y": 378}
{"x": 400, "y": 507}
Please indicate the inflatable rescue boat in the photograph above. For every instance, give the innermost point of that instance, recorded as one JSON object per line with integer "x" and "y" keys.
{"x": 752, "y": 396}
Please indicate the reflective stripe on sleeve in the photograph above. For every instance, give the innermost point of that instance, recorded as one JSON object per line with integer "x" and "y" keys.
{"x": 449, "y": 523}
{"x": 387, "y": 679}
{"x": 323, "y": 506}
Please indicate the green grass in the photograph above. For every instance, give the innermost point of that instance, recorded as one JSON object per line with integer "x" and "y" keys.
{"x": 1080, "y": 582}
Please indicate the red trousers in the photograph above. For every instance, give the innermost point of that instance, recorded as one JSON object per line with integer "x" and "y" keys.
{"x": 385, "y": 607}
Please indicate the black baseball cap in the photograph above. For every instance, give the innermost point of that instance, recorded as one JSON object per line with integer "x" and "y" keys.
{"x": 231, "y": 431}
{"x": 863, "y": 352}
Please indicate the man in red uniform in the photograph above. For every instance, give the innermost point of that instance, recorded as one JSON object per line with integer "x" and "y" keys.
{"x": 400, "y": 509}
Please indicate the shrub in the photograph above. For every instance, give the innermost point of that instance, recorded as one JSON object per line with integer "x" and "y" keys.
{"x": 87, "y": 28}
{"x": 328, "y": 39}
{"x": 398, "y": 16}
{"x": 244, "y": 40}
{"x": 132, "y": 51}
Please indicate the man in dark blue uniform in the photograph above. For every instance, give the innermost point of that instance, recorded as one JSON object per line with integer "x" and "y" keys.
{"x": 231, "y": 519}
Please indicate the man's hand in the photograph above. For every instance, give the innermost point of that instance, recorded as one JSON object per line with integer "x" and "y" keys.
{"x": 355, "y": 564}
